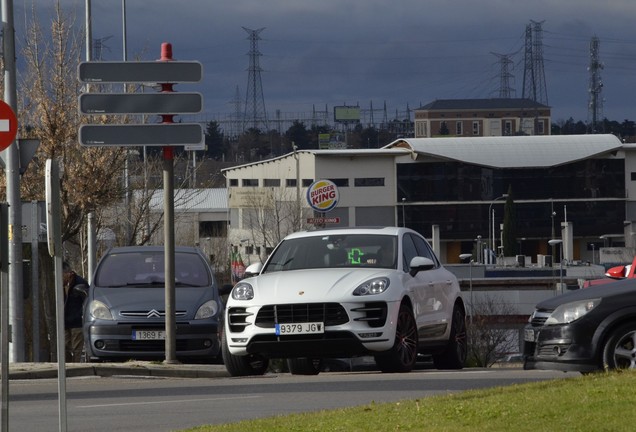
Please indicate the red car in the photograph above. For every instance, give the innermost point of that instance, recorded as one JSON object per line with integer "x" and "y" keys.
{"x": 613, "y": 274}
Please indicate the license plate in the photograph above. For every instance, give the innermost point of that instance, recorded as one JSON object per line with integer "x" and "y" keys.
{"x": 300, "y": 328}
{"x": 148, "y": 334}
{"x": 528, "y": 335}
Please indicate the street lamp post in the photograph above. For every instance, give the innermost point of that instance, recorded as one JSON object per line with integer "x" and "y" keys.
{"x": 554, "y": 242}
{"x": 470, "y": 275}
{"x": 491, "y": 225}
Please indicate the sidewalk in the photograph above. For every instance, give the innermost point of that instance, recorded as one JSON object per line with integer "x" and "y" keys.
{"x": 132, "y": 368}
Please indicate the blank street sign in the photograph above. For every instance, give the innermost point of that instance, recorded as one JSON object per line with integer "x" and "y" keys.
{"x": 140, "y": 103}
{"x": 140, "y": 72}
{"x": 161, "y": 134}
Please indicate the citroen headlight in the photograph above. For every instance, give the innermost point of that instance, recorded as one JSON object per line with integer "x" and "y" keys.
{"x": 243, "y": 291}
{"x": 568, "y": 312}
{"x": 207, "y": 310}
{"x": 371, "y": 287}
{"x": 99, "y": 310}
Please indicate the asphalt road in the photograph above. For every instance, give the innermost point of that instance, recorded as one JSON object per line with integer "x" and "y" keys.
{"x": 125, "y": 403}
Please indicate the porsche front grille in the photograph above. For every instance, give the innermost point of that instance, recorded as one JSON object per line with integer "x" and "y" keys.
{"x": 328, "y": 313}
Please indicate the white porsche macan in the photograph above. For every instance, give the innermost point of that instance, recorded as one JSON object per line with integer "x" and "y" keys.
{"x": 338, "y": 293}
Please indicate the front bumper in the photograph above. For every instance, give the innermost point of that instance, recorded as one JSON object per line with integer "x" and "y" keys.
{"x": 566, "y": 347}
{"x": 351, "y": 329}
{"x": 113, "y": 341}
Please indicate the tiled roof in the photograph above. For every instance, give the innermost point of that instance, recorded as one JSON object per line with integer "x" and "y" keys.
{"x": 482, "y": 104}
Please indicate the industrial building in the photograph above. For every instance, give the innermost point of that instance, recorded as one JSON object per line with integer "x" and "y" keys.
{"x": 578, "y": 188}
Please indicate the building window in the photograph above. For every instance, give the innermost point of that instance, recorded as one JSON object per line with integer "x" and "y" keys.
{"x": 290, "y": 182}
{"x": 633, "y": 176}
{"x": 540, "y": 127}
{"x": 340, "y": 182}
{"x": 271, "y": 182}
{"x": 250, "y": 182}
{"x": 508, "y": 128}
{"x": 233, "y": 182}
{"x": 476, "y": 128}
{"x": 307, "y": 182}
{"x": 458, "y": 128}
{"x": 368, "y": 181}
{"x": 212, "y": 229}
{"x": 420, "y": 128}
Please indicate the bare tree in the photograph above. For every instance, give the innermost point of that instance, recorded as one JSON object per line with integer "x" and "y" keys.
{"x": 270, "y": 215}
{"x": 48, "y": 111}
{"x": 488, "y": 339}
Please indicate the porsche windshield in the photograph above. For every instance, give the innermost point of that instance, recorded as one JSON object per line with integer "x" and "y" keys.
{"x": 330, "y": 251}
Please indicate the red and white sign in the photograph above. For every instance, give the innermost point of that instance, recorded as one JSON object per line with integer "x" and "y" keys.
{"x": 8, "y": 125}
{"x": 323, "y": 195}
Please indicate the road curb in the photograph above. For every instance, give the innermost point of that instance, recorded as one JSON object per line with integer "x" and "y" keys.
{"x": 23, "y": 371}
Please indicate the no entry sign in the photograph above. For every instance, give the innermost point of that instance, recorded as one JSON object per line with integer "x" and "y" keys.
{"x": 8, "y": 125}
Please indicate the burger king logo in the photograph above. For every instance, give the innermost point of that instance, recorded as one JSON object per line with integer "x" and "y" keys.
{"x": 322, "y": 195}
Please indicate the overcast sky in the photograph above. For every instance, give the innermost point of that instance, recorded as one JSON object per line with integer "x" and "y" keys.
{"x": 318, "y": 53}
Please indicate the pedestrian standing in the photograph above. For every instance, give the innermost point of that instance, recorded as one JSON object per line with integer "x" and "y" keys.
{"x": 73, "y": 309}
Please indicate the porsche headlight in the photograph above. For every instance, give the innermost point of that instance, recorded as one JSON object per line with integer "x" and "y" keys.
{"x": 568, "y": 312}
{"x": 207, "y": 310}
{"x": 243, "y": 291}
{"x": 371, "y": 287}
{"x": 99, "y": 310}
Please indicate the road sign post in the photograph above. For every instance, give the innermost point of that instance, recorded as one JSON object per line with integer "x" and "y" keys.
{"x": 168, "y": 103}
{"x": 140, "y": 103}
{"x": 140, "y": 72}
{"x": 156, "y": 134}
{"x": 166, "y": 134}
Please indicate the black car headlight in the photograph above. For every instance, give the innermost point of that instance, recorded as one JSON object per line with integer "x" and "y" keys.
{"x": 207, "y": 310}
{"x": 568, "y": 312}
{"x": 371, "y": 287}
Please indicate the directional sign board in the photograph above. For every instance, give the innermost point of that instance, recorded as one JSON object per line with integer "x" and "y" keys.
{"x": 160, "y": 134}
{"x": 140, "y": 72}
{"x": 140, "y": 103}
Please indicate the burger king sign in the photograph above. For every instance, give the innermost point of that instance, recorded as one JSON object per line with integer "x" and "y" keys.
{"x": 322, "y": 195}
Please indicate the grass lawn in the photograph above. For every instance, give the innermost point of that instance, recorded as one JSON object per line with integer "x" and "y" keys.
{"x": 595, "y": 402}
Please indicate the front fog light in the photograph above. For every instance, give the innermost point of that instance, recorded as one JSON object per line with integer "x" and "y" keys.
{"x": 370, "y": 335}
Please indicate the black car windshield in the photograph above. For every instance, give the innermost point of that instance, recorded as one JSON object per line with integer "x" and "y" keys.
{"x": 147, "y": 269}
{"x": 330, "y": 251}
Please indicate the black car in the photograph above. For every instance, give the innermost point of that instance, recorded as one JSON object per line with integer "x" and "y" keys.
{"x": 585, "y": 330}
{"x": 124, "y": 315}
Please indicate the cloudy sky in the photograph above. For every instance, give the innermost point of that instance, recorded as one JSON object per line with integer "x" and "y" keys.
{"x": 321, "y": 53}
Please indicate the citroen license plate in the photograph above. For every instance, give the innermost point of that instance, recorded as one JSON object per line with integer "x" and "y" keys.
{"x": 148, "y": 334}
{"x": 300, "y": 328}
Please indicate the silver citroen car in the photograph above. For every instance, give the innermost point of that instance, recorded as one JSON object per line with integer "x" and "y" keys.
{"x": 124, "y": 313}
